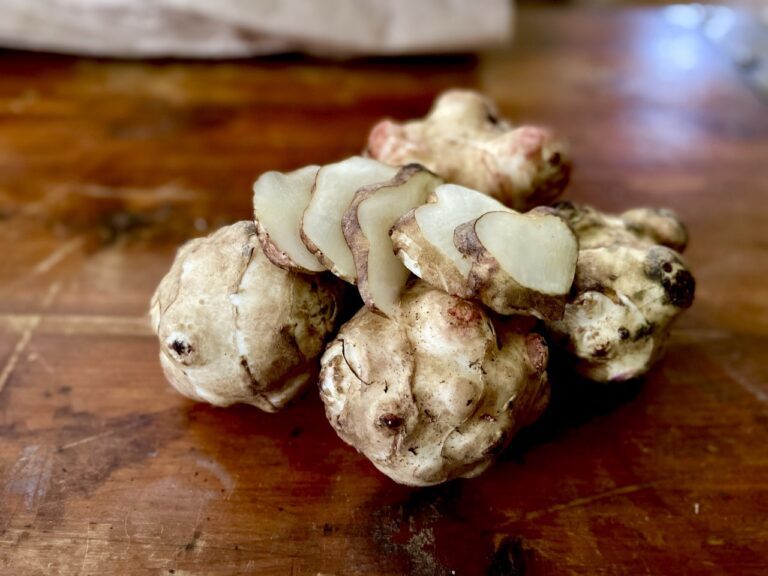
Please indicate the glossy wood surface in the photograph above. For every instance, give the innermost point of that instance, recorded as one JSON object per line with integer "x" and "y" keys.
{"x": 106, "y": 166}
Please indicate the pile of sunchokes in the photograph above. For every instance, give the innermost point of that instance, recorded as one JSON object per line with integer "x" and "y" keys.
{"x": 467, "y": 274}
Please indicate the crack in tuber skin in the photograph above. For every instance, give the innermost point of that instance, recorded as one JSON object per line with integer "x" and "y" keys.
{"x": 436, "y": 392}
{"x": 630, "y": 286}
{"x": 463, "y": 140}
{"x": 250, "y": 379}
{"x": 233, "y": 327}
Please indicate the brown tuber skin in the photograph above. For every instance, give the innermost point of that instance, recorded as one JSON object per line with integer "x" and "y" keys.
{"x": 233, "y": 327}
{"x": 463, "y": 141}
{"x": 630, "y": 287}
{"x": 437, "y": 392}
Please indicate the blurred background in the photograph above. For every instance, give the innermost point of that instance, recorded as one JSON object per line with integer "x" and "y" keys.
{"x": 238, "y": 28}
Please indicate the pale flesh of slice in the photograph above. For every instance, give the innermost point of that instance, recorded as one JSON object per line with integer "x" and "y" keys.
{"x": 455, "y": 205}
{"x": 334, "y": 189}
{"x": 279, "y": 201}
{"x": 538, "y": 251}
{"x": 385, "y": 275}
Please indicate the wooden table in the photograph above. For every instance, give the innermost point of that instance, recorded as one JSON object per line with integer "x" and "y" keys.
{"x": 105, "y": 167}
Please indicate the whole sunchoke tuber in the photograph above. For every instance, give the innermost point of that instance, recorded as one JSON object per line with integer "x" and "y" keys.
{"x": 464, "y": 141}
{"x": 436, "y": 392}
{"x": 233, "y": 327}
{"x": 629, "y": 288}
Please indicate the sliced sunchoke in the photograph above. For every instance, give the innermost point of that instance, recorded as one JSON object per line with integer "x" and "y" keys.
{"x": 333, "y": 191}
{"x": 521, "y": 263}
{"x": 279, "y": 201}
{"x": 235, "y": 328}
{"x": 463, "y": 140}
{"x": 438, "y": 390}
{"x": 381, "y": 275}
{"x": 423, "y": 237}
{"x": 630, "y": 287}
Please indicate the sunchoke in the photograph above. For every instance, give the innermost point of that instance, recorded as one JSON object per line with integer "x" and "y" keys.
{"x": 233, "y": 327}
{"x": 425, "y": 381}
{"x": 630, "y": 286}
{"x": 464, "y": 141}
{"x": 436, "y": 392}
{"x": 423, "y": 237}
{"x": 472, "y": 246}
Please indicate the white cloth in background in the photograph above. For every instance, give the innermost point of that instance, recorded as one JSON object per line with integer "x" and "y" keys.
{"x": 240, "y": 28}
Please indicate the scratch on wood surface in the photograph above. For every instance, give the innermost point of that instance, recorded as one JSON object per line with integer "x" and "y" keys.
{"x": 196, "y": 525}
{"x": 232, "y": 489}
{"x": 55, "y": 257}
{"x": 29, "y": 478}
{"x": 18, "y": 350}
{"x": 746, "y": 383}
{"x": 37, "y": 356}
{"x": 88, "y": 439}
{"x": 587, "y": 500}
{"x": 221, "y": 474}
{"x": 85, "y": 556}
{"x": 125, "y": 524}
{"x": 168, "y": 191}
{"x": 26, "y": 335}
{"x": 699, "y": 334}
{"x": 195, "y": 543}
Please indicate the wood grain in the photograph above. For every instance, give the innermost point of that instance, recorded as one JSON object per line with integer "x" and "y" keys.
{"x": 106, "y": 166}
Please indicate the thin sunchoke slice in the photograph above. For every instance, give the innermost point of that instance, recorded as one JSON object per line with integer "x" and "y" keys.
{"x": 332, "y": 193}
{"x": 381, "y": 275}
{"x": 279, "y": 201}
{"x": 423, "y": 237}
{"x": 521, "y": 263}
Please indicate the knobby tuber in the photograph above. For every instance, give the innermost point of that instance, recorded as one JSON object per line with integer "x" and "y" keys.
{"x": 464, "y": 141}
{"x": 629, "y": 288}
{"x": 436, "y": 392}
{"x": 233, "y": 327}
